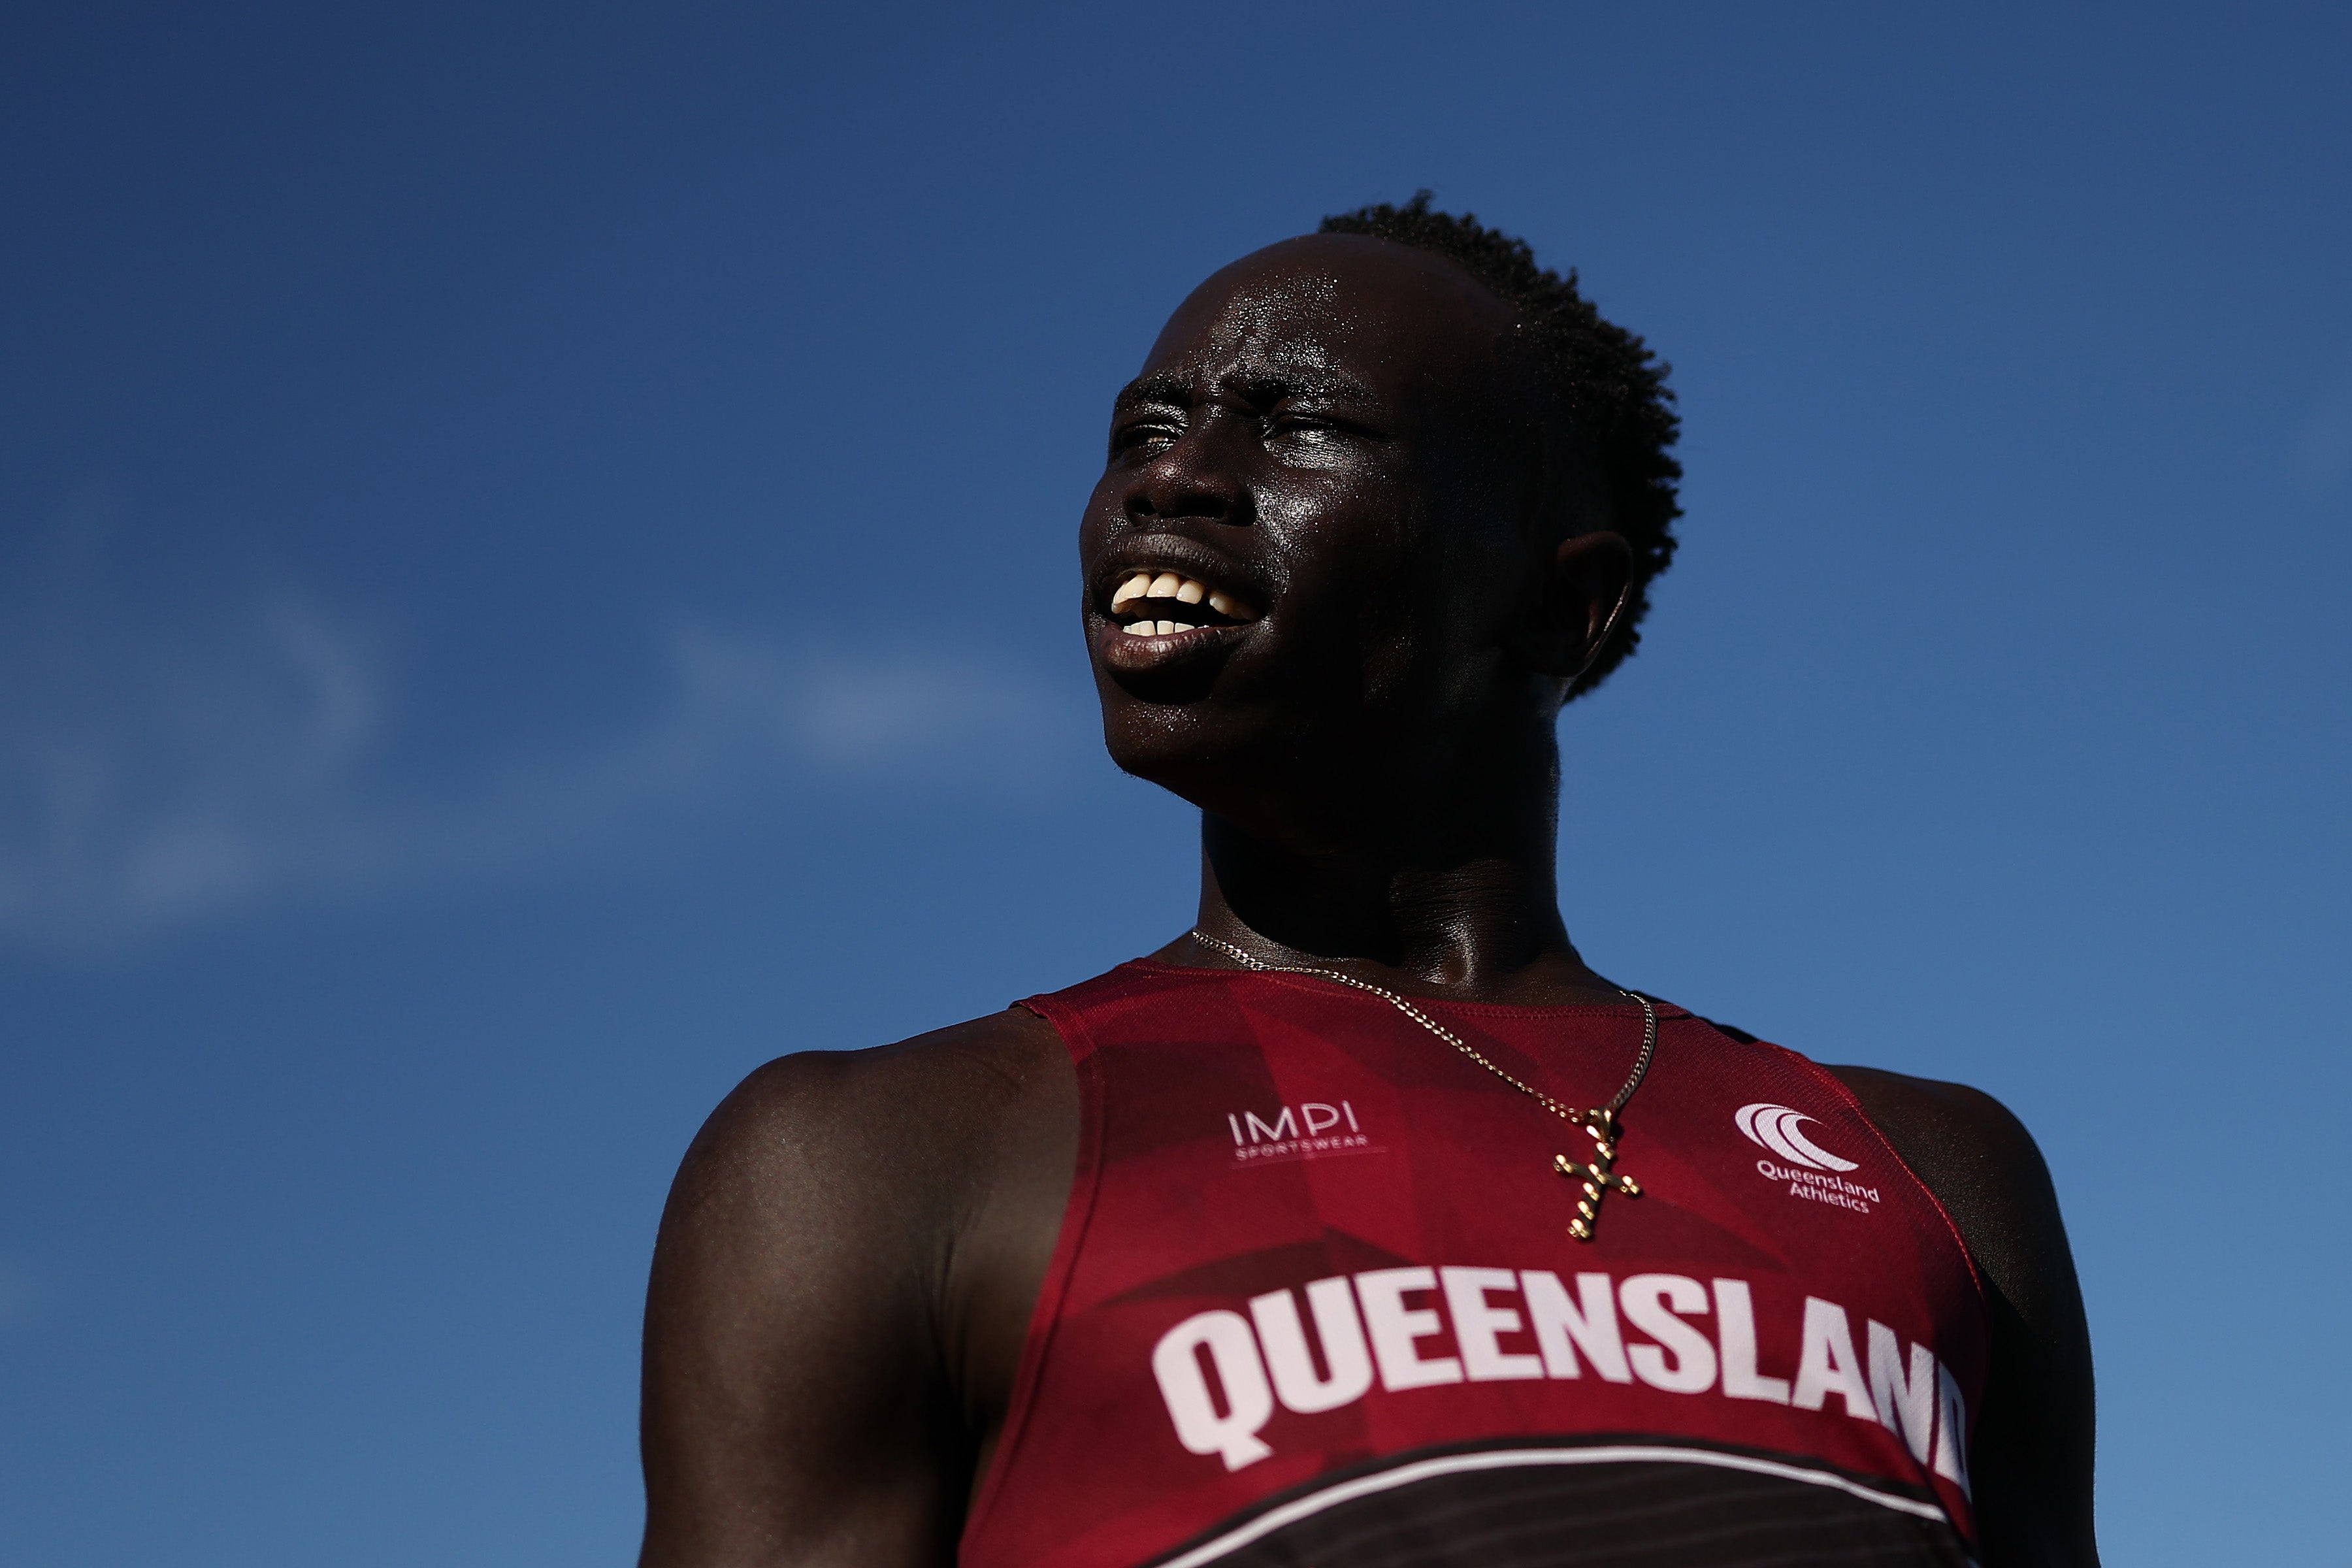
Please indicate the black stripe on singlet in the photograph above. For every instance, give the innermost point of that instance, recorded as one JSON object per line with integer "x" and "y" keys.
{"x": 1630, "y": 1502}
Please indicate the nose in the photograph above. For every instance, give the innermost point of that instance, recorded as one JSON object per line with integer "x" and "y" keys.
{"x": 1195, "y": 479}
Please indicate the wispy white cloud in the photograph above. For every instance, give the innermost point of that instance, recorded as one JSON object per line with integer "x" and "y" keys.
{"x": 151, "y": 778}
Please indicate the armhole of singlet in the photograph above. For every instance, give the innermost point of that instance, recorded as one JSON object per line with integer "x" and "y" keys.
{"x": 1837, "y": 1087}
{"x": 1076, "y": 1214}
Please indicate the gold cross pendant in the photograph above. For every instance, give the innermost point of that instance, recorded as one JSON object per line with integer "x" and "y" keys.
{"x": 1595, "y": 1179}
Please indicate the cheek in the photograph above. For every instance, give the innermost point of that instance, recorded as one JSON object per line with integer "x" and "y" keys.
{"x": 1101, "y": 512}
{"x": 1430, "y": 617}
{"x": 1339, "y": 535}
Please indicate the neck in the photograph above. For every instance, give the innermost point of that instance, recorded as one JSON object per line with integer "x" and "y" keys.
{"x": 1471, "y": 913}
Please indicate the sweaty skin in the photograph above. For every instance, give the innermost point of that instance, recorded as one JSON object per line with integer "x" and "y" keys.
{"x": 1336, "y": 433}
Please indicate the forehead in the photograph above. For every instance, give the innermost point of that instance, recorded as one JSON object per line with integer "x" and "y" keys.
{"x": 1388, "y": 316}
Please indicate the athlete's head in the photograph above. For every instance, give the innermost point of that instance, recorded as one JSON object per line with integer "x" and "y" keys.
{"x": 1409, "y": 488}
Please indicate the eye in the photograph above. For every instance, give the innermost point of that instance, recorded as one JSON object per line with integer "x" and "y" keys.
{"x": 1131, "y": 437}
{"x": 1309, "y": 431}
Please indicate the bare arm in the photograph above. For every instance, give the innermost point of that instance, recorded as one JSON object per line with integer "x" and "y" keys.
{"x": 792, "y": 1368}
{"x": 838, "y": 1296}
{"x": 2032, "y": 1456}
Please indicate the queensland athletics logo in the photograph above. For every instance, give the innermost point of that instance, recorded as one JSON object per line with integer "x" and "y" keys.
{"x": 1811, "y": 1171}
{"x": 1774, "y": 1127}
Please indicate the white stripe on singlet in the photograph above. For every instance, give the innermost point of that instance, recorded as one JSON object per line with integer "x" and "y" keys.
{"x": 1307, "y": 1507}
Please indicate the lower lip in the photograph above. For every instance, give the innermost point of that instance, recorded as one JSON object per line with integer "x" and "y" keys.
{"x": 1123, "y": 650}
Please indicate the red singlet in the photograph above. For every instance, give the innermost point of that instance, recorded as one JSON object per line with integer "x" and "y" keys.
{"x": 1314, "y": 1302}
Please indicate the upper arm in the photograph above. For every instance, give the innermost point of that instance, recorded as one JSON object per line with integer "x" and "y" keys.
{"x": 791, "y": 1369}
{"x": 2031, "y": 1459}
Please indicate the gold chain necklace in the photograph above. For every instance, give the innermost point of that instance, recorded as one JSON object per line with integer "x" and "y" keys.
{"x": 1593, "y": 1179}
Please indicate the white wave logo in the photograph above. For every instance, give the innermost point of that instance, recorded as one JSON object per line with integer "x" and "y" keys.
{"x": 1775, "y": 1128}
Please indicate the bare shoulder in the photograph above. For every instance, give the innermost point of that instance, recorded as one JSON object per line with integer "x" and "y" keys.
{"x": 1978, "y": 1159}
{"x": 2033, "y": 1447}
{"x": 909, "y": 1108}
{"x": 855, "y": 1176}
{"x": 824, "y": 1256}
{"x": 991, "y": 1056}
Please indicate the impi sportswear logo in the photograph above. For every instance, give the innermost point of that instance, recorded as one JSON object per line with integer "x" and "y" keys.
{"x": 1810, "y": 1169}
{"x": 1309, "y": 1130}
{"x": 1774, "y": 1127}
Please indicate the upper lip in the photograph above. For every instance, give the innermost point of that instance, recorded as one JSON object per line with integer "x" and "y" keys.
{"x": 1157, "y": 553}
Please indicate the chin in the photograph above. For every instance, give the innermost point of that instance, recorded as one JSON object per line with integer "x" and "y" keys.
{"x": 1182, "y": 750}
{"x": 1272, "y": 780}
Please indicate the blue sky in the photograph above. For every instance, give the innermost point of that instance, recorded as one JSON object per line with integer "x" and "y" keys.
{"x": 536, "y": 573}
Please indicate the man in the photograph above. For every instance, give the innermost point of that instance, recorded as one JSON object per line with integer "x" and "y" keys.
{"x": 1364, "y": 1223}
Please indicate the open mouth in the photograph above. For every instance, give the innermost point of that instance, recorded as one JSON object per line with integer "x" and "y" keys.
{"x": 1161, "y": 604}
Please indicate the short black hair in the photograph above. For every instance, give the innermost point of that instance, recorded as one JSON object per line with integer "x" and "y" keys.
{"x": 1612, "y": 388}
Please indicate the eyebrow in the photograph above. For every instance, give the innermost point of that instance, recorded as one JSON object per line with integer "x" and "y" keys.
{"x": 1163, "y": 387}
{"x": 1255, "y": 385}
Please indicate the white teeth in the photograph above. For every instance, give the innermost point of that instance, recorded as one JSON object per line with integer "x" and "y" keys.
{"x": 1172, "y": 585}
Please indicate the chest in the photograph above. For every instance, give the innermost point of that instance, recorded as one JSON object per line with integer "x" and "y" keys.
{"x": 1304, "y": 1239}
{"x": 1299, "y": 1152}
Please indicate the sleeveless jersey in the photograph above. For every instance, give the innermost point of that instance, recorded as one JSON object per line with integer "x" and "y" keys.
{"x": 1314, "y": 1301}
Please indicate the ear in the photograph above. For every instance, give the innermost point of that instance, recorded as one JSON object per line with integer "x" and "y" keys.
{"x": 1577, "y": 602}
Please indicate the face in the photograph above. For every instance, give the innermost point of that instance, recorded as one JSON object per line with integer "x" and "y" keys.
{"x": 1315, "y": 548}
